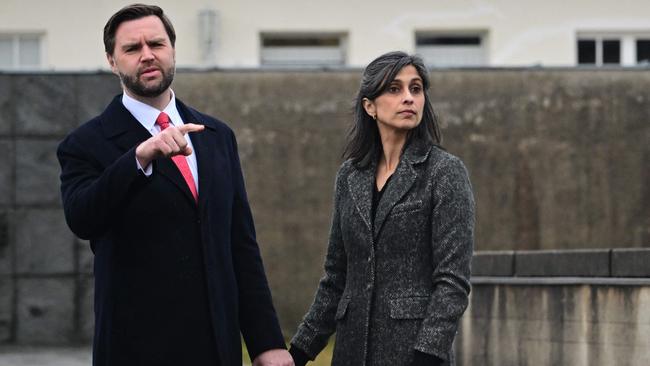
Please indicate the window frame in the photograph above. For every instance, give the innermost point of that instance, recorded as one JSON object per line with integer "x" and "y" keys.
{"x": 16, "y": 39}
{"x": 341, "y": 38}
{"x": 482, "y": 48}
{"x": 627, "y": 47}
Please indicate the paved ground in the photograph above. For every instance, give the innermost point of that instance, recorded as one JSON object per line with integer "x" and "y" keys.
{"x": 47, "y": 356}
{"x": 44, "y": 356}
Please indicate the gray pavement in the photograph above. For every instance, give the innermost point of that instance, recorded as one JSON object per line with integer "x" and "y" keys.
{"x": 48, "y": 356}
{"x": 45, "y": 356}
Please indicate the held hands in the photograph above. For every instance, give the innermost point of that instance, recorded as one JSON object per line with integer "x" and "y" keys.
{"x": 274, "y": 357}
{"x": 169, "y": 142}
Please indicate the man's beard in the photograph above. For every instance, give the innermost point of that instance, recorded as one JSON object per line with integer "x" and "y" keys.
{"x": 137, "y": 87}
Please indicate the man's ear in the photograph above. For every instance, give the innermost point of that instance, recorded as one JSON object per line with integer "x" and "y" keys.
{"x": 111, "y": 63}
{"x": 370, "y": 107}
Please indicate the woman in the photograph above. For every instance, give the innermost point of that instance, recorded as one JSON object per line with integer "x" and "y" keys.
{"x": 398, "y": 263}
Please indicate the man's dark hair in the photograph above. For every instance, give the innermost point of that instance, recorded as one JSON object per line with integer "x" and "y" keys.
{"x": 132, "y": 12}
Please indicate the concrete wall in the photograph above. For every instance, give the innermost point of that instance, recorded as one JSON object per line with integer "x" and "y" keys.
{"x": 558, "y": 159}
{"x": 519, "y": 325}
{"x": 560, "y": 313}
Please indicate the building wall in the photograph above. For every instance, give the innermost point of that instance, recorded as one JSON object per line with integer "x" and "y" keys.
{"x": 534, "y": 33}
{"x": 558, "y": 159}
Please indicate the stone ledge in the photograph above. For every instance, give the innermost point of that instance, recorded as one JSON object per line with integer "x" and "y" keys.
{"x": 632, "y": 262}
{"x": 493, "y": 263}
{"x": 559, "y": 281}
{"x": 553, "y": 263}
{"x": 597, "y": 263}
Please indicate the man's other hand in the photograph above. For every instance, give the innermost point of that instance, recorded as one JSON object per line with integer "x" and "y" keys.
{"x": 274, "y": 357}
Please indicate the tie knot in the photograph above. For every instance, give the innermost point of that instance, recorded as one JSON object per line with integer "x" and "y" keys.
{"x": 163, "y": 120}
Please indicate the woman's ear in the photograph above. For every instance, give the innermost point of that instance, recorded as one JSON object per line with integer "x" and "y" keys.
{"x": 370, "y": 108}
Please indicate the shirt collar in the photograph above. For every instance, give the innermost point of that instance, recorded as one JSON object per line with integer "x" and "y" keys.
{"x": 147, "y": 115}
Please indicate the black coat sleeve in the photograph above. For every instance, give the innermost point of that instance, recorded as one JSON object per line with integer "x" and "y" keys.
{"x": 91, "y": 190}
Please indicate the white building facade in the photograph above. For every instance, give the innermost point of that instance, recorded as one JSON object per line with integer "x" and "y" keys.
{"x": 66, "y": 35}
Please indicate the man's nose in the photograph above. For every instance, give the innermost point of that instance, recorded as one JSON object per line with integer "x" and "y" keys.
{"x": 146, "y": 53}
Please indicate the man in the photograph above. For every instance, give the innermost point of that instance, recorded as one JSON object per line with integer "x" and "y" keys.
{"x": 178, "y": 273}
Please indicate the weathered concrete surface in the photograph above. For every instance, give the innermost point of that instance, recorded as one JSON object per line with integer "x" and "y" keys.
{"x": 37, "y": 172}
{"x": 6, "y": 308}
{"x": 7, "y": 172}
{"x": 6, "y": 119}
{"x": 45, "y": 311}
{"x": 556, "y": 325}
{"x": 558, "y": 159}
{"x": 44, "y": 104}
{"x": 44, "y": 244}
{"x": 45, "y": 356}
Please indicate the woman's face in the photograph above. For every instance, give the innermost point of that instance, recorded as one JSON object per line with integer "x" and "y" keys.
{"x": 400, "y": 107}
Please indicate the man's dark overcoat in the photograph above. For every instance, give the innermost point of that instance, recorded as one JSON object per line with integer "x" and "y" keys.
{"x": 175, "y": 281}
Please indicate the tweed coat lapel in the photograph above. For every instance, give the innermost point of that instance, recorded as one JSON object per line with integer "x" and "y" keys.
{"x": 361, "y": 181}
{"x": 360, "y": 185}
{"x": 403, "y": 179}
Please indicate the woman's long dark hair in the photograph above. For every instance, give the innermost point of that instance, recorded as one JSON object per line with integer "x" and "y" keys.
{"x": 363, "y": 142}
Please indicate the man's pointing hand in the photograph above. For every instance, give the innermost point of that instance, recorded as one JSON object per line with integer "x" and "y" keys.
{"x": 169, "y": 142}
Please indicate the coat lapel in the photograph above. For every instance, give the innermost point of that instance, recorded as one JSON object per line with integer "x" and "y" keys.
{"x": 402, "y": 181}
{"x": 203, "y": 150}
{"x": 167, "y": 168}
{"x": 119, "y": 125}
{"x": 360, "y": 186}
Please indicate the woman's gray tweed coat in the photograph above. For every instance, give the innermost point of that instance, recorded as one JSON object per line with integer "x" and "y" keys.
{"x": 401, "y": 284}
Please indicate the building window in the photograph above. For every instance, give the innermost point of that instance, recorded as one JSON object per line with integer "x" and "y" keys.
{"x": 613, "y": 49}
{"x": 586, "y": 52}
{"x": 20, "y": 51}
{"x": 599, "y": 51}
{"x": 643, "y": 51}
{"x": 303, "y": 50}
{"x": 451, "y": 49}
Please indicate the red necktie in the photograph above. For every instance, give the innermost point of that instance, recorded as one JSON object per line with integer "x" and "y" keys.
{"x": 179, "y": 160}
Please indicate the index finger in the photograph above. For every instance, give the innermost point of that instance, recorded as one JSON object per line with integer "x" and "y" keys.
{"x": 190, "y": 127}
